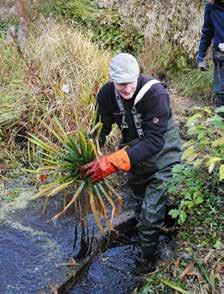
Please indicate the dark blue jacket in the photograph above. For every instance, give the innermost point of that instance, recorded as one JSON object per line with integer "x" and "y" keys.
{"x": 155, "y": 113}
{"x": 213, "y": 28}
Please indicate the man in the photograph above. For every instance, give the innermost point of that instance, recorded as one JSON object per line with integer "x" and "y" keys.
{"x": 213, "y": 31}
{"x": 140, "y": 106}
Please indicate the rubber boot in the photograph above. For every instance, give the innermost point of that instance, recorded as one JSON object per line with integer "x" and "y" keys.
{"x": 166, "y": 248}
{"x": 146, "y": 261}
{"x": 148, "y": 249}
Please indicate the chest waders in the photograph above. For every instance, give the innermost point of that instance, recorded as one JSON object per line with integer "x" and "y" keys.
{"x": 218, "y": 59}
{"x": 145, "y": 179}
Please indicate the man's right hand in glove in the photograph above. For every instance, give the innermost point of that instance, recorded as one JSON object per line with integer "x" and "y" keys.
{"x": 106, "y": 165}
{"x": 203, "y": 66}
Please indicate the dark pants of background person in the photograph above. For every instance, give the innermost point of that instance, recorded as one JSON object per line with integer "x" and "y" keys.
{"x": 218, "y": 59}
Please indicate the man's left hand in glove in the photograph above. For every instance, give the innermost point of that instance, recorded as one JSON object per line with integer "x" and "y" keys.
{"x": 106, "y": 165}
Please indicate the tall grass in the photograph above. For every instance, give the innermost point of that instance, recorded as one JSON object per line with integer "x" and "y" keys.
{"x": 53, "y": 76}
{"x": 196, "y": 83}
{"x": 13, "y": 90}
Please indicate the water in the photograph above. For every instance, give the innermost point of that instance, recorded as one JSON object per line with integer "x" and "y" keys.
{"x": 110, "y": 272}
{"x": 34, "y": 252}
{"x": 32, "y": 248}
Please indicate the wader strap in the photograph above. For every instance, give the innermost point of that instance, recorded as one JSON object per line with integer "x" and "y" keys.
{"x": 124, "y": 124}
{"x": 135, "y": 114}
{"x": 144, "y": 89}
{"x": 138, "y": 122}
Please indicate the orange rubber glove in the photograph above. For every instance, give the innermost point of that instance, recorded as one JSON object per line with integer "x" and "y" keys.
{"x": 106, "y": 165}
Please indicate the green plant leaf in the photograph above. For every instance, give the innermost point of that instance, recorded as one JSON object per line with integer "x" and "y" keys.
{"x": 174, "y": 213}
{"x": 194, "y": 119}
{"x": 182, "y": 217}
{"x": 175, "y": 286}
{"x": 190, "y": 154}
{"x": 221, "y": 172}
{"x": 212, "y": 162}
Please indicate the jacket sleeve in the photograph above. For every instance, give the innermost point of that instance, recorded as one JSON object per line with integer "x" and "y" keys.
{"x": 155, "y": 116}
{"x": 104, "y": 114}
{"x": 206, "y": 34}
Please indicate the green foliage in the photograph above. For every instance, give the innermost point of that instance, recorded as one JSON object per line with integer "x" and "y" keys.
{"x": 10, "y": 195}
{"x": 164, "y": 59}
{"x": 55, "y": 60}
{"x": 117, "y": 33}
{"x": 173, "y": 60}
{"x": 154, "y": 284}
{"x": 187, "y": 188}
{"x": 204, "y": 157}
{"x": 81, "y": 12}
{"x": 207, "y": 141}
{"x": 195, "y": 83}
{"x": 110, "y": 29}
{"x": 3, "y": 27}
{"x": 5, "y": 24}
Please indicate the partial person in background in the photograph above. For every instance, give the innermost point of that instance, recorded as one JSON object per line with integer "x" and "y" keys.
{"x": 140, "y": 106}
{"x": 213, "y": 33}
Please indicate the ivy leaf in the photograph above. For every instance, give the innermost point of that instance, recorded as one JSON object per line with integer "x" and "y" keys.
{"x": 174, "y": 213}
{"x": 182, "y": 217}
{"x": 217, "y": 120}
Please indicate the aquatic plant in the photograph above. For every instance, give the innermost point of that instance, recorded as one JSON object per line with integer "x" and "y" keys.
{"x": 62, "y": 155}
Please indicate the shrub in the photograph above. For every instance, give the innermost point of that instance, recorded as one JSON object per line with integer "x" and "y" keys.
{"x": 204, "y": 157}
{"x": 110, "y": 30}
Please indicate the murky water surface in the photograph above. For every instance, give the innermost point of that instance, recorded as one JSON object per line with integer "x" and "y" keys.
{"x": 34, "y": 252}
{"x": 112, "y": 272}
{"x": 32, "y": 248}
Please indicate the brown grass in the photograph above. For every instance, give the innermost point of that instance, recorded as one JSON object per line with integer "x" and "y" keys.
{"x": 56, "y": 75}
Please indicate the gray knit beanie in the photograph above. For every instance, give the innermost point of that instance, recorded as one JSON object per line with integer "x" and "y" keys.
{"x": 123, "y": 68}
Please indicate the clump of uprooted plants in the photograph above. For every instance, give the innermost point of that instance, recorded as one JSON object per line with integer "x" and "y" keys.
{"x": 62, "y": 154}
